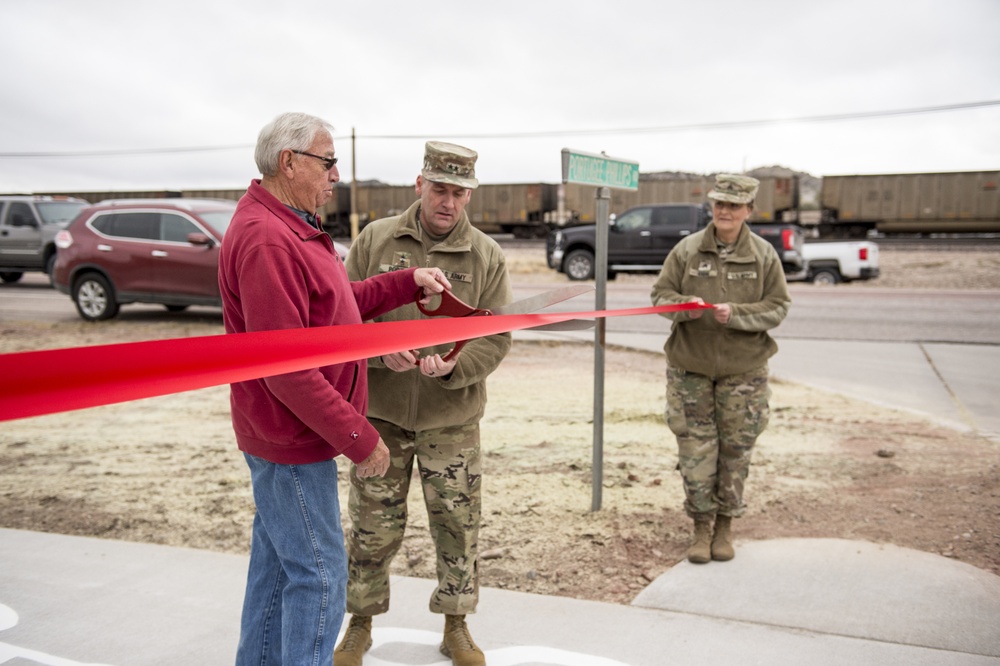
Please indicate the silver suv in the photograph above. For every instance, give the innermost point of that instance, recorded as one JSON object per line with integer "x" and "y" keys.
{"x": 28, "y": 228}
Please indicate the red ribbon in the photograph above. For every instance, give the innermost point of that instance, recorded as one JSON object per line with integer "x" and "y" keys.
{"x": 60, "y": 380}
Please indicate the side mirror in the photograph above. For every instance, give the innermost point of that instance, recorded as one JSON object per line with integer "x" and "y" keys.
{"x": 200, "y": 239}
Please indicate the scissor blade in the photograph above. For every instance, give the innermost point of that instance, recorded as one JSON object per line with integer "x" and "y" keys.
{"x": 542, "y": 300}
{"x": 570, "y": 325}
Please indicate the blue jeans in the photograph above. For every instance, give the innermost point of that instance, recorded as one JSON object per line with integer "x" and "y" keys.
{"x": 297, "y": 579}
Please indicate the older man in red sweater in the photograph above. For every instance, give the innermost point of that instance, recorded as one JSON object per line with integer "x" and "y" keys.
{"x": 278, "y": 270}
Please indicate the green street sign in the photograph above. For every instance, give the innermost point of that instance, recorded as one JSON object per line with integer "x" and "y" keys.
{"x": 599, "y": 170}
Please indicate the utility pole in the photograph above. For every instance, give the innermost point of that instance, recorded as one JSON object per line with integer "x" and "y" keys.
{"x": 354, "y": 187}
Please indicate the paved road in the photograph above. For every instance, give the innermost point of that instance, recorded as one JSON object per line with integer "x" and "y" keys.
{"x": 838, "y": 313}
{"x": 32, "y": 299}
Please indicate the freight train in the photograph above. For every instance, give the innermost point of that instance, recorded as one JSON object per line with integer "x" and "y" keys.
{"x": 532, "y": 210}
{"x": 917, "y": 203}
{"x": 853, "y": 206}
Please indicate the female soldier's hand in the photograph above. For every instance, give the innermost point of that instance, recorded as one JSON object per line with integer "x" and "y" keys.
{"x": 696, "y": 314}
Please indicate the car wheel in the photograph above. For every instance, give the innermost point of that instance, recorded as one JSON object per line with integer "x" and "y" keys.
{"x": 826, "y": 276}
{"x": 176, "y": 308}
{"x": 94, "y": 297}
{"x": 10, "y": 276}
{"x": 50, "y": 269}
{"x": 579, "y": 265}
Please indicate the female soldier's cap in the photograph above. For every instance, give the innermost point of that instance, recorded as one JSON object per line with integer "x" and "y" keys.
{"x": 450, "y": 163}
{"x": 734, "y": 188}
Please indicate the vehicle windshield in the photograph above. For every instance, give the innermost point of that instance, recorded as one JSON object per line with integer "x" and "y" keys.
{"x": 59, "y": 212}
{"x": 219, "y": 219}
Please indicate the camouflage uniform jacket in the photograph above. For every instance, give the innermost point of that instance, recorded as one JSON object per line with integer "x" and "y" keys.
{"x": 477, "y": 269}
{"x": 750, "y": 278}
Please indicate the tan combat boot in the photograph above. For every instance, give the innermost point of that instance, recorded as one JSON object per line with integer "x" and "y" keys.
{"x": 458, "y": 643}
{"x": 722, "y": 540}
{"x": 357, "y": 639}
{"x": 700, "y": 551}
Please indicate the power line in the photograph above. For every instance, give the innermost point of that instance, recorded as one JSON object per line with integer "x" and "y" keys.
{"x": 735, "y": 124}
{"x": 130, "y": 151}
{"x": 708, "y": 126}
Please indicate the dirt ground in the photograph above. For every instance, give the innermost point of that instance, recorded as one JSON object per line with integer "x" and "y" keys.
{"x": 166, "y": 470}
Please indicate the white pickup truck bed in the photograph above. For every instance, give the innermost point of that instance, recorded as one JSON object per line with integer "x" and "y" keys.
{"x": 838, "y": 261}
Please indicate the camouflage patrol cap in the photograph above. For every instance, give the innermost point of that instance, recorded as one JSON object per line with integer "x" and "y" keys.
{"x": 734, "y": 188}
{"x": 450, "y": 163}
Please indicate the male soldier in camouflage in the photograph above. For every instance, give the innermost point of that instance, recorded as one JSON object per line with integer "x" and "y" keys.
{"x": 427, "y": 408}
{"x": 717, "y": 391}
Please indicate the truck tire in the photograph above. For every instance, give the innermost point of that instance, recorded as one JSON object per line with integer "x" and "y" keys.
{"x": 826, "y": 276}
{"x": 10, "y": 276}
{"x": 94, "y": 297}
{"x": 579, "y": 265}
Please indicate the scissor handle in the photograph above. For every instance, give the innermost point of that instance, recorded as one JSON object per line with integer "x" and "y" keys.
{"x": 454, "y": 351}
{"x": 450, "y": 306}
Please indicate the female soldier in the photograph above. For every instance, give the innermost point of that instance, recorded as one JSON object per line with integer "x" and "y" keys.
{"x": 717, "y": 392}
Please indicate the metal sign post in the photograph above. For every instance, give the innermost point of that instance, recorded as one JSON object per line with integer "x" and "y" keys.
{"x": 602, "y": 218}
{"x": 605, "y": 172}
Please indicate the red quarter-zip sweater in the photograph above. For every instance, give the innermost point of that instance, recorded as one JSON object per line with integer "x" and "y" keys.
{"x": 278, "y": 272}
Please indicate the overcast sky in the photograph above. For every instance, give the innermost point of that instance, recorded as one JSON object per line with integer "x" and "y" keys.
{"x": 162, "y": 78}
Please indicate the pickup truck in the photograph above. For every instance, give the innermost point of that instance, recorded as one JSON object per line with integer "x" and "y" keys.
{"x": 838, "y": 261}
{"x": 640, "y": 239}
{"x": 28, "y": 228}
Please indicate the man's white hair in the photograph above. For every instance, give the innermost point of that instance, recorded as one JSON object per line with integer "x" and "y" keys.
{"x": 289, "y": 131}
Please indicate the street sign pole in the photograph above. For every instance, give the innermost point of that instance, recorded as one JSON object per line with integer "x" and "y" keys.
{"x": 604, "y": 172}
{"x": 602, "y": 218}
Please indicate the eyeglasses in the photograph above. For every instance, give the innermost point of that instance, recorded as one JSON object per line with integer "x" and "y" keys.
{"x": 328, "y": 162}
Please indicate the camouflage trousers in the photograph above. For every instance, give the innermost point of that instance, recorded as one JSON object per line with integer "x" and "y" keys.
{"x": 450, "y": 468}
{"x": 716, "y": 421}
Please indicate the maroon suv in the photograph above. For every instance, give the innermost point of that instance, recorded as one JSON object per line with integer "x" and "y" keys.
{"x": 142, "y": 250}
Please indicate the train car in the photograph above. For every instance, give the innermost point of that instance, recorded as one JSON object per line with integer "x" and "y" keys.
{"x": 376, "y": 201}
{"x": 851, "y": 206}
{"x": 918, "y": 203}
{"x": 94, "y": 197}
{"x": 335, "y": 214}
{"x": 234, "y": 195}
{"x": 517, "y": 209}
{"x": 775, "y": 199}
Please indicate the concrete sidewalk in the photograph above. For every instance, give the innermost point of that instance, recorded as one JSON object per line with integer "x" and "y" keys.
{"x": 74, "y": 600}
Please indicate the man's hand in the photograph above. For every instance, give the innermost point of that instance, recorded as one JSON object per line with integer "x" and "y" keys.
{"x": 375, "y": 464}
{"x": 433, "y": 282}
{"x": 401, "y": 361}
{"x": 435, "y": 366}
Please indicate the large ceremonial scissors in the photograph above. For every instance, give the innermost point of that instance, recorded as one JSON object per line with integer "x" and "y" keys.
{"x": 452, "y": 306}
